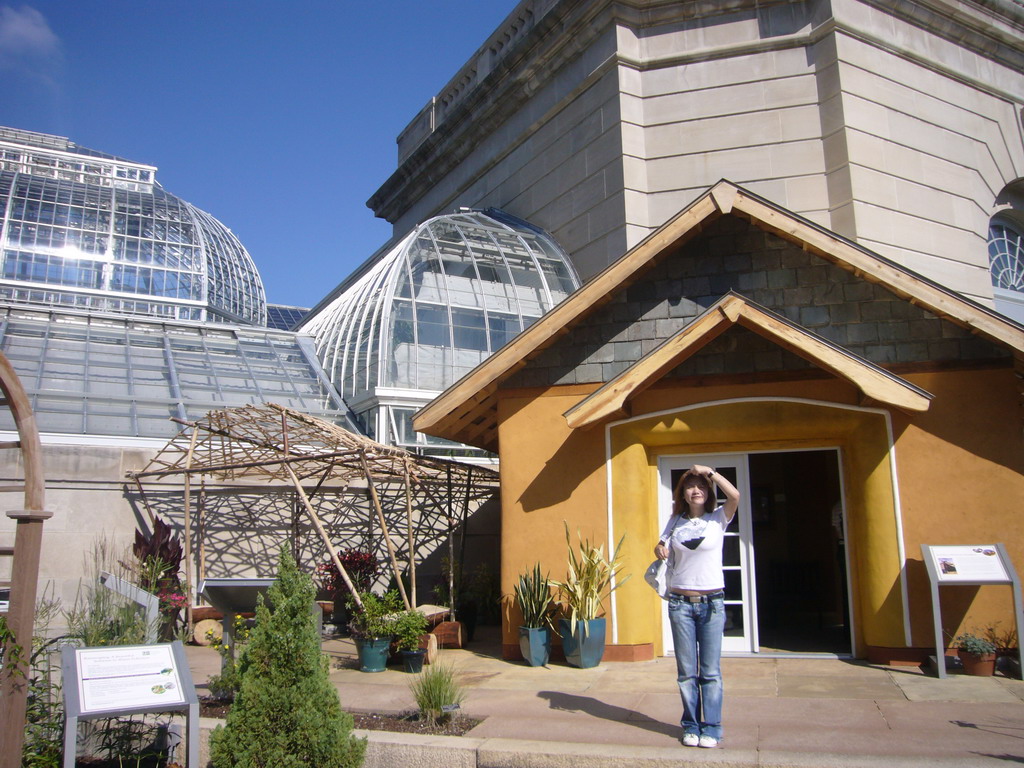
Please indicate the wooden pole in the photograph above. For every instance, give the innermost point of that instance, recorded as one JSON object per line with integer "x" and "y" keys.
{"x": 28, "y": 540}
{"x": 409, "y": 534}
{"x": 465, "y": 518}
{"x": 323, "y": 535}
{"x": 188, "y": 530}
{"x": 451, "y": 544}
{"x": 201, "y": 530}
{"x": 384, "y": 529}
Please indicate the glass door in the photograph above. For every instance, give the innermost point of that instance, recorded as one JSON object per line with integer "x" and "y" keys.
{"x": 737, "y": 549}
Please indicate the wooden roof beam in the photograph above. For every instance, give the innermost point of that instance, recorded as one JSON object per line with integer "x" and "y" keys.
{"x": 875, "y": 383}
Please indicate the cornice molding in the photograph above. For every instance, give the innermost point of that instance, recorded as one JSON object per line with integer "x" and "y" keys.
{"x": 545, "y": 48}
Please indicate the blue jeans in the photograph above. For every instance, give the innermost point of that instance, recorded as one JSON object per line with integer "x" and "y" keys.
{"x": 697, "y": 636}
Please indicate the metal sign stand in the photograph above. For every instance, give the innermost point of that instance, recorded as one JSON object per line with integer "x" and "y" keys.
{"x": 970, "y": 566}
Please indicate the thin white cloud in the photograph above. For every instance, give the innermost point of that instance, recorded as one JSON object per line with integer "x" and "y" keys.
{"x": 26, "y": 41}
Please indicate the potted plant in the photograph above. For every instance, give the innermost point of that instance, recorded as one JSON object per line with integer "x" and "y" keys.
{"x": 410, "y": 627}
{"x": 977, "y": 654}
{"x": 590, "y": 579}
{"x": 373, "y": 627}
{"x": 362, "y": 568}
{"x": 533, "y": 596}
{"x": 1007, "y": 650}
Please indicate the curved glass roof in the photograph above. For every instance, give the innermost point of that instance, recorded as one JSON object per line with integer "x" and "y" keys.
{"x": 87, "y": 230}
{"x": 452, "y": 292}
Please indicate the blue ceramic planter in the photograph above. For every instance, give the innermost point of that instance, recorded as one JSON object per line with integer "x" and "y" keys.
{"x": 535, "y": 645}
{"x": 584, "y": 643}
{"x": 373, "y": 654}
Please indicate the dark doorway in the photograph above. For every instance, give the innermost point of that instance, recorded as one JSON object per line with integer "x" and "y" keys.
{"x": 799, "y": 552}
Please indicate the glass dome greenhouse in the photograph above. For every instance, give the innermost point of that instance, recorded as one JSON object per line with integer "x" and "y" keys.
{"x": 87, "y": 230}
{"x": 418, "y": 318}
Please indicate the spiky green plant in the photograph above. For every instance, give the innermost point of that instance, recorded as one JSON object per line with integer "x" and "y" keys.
{"x": 437, "y": 692}
{"x": 590, "y": 578}
{"x": 533, "y": 595}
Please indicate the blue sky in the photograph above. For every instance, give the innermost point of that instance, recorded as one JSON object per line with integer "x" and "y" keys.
{"x": 279, "y": 118}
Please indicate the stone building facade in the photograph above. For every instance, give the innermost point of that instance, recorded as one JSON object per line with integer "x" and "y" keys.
{"x": 894, "y": 124}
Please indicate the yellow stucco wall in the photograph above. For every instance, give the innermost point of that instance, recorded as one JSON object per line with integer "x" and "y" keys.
{"x": 962, "y": 482}
{"x": 552, "y": 474}
{"x": 747, "y": 425}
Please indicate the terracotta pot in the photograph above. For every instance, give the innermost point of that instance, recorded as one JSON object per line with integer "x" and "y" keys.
{"x": 983, "y": 665}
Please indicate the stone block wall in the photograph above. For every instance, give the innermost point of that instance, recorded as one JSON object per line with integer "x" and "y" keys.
{"x": 895, "y": 124}
{"x": 862, "y": 317}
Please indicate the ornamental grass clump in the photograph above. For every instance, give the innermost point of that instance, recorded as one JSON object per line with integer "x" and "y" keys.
{"x": 591, "y": 577}
{"x": 286, "y": 713}
{"x": 437, "y": 693}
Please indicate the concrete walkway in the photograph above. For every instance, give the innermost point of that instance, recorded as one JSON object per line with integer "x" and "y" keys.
{"x": 778, "y": 712}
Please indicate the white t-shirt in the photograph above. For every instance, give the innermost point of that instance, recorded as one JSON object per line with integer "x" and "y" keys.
{"x": 695, "y": 544}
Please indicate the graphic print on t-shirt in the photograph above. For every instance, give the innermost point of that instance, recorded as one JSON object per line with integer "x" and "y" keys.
{"x": 691, "y": 533}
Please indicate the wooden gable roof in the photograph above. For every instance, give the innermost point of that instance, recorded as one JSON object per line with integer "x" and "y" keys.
{"x": 467, "y": 411}
{"x": 732, "y": 309}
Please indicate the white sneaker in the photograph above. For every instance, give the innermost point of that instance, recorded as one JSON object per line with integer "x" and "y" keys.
{"x": 691, "y": 740}
{"x": 708, "y": 742}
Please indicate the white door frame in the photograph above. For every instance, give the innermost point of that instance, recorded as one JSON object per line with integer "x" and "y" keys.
{"x": 741, "y": 526}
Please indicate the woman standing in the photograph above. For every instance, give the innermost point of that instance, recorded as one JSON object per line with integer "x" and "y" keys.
{"x": 692, "y": 542}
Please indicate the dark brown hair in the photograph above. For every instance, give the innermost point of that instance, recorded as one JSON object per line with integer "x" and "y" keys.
{"x": 710, "y": 499}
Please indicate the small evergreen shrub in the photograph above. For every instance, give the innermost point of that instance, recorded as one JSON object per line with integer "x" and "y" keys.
{"x": 287, "y": 713}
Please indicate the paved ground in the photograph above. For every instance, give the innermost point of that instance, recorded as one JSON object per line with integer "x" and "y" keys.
{"x": 809, "y": 711}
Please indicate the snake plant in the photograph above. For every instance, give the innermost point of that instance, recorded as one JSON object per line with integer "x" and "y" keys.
{"x": 533, "y": 594}
{"x": 590, "y": 578}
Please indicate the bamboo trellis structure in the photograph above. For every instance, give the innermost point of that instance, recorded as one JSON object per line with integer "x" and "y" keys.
{"x": 262, "y": 449}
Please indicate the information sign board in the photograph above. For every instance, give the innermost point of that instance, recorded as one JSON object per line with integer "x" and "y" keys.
{"x": 969, "y": 564}
{"x": 127, "y": 680}
{"x": 966, "y": 565}
{"x": 127, "y": 676}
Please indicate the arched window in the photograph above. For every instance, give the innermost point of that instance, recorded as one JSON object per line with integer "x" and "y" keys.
{"x": 1006, "y": 255}
{"x": 1006, "y": 252}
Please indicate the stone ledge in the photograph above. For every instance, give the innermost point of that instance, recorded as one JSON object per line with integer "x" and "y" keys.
{"x": 386, "y": 749}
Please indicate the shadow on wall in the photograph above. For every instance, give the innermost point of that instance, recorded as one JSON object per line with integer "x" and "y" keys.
{"x": 561, "y": 474}
{"x": 242, "y": 530}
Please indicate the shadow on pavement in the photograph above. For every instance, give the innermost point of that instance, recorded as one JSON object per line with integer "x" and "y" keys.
{"x": 1003, "y": 729}
{"x": 568, "y": 702}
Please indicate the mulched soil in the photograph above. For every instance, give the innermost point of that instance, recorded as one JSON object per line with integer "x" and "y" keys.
{"x": 408, "y": 722}
{"x": 411, "y": 723}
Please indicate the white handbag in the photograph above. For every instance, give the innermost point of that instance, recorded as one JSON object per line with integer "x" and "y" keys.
{"x": 657, "y": 573}
{"x": 657, "y": 577}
